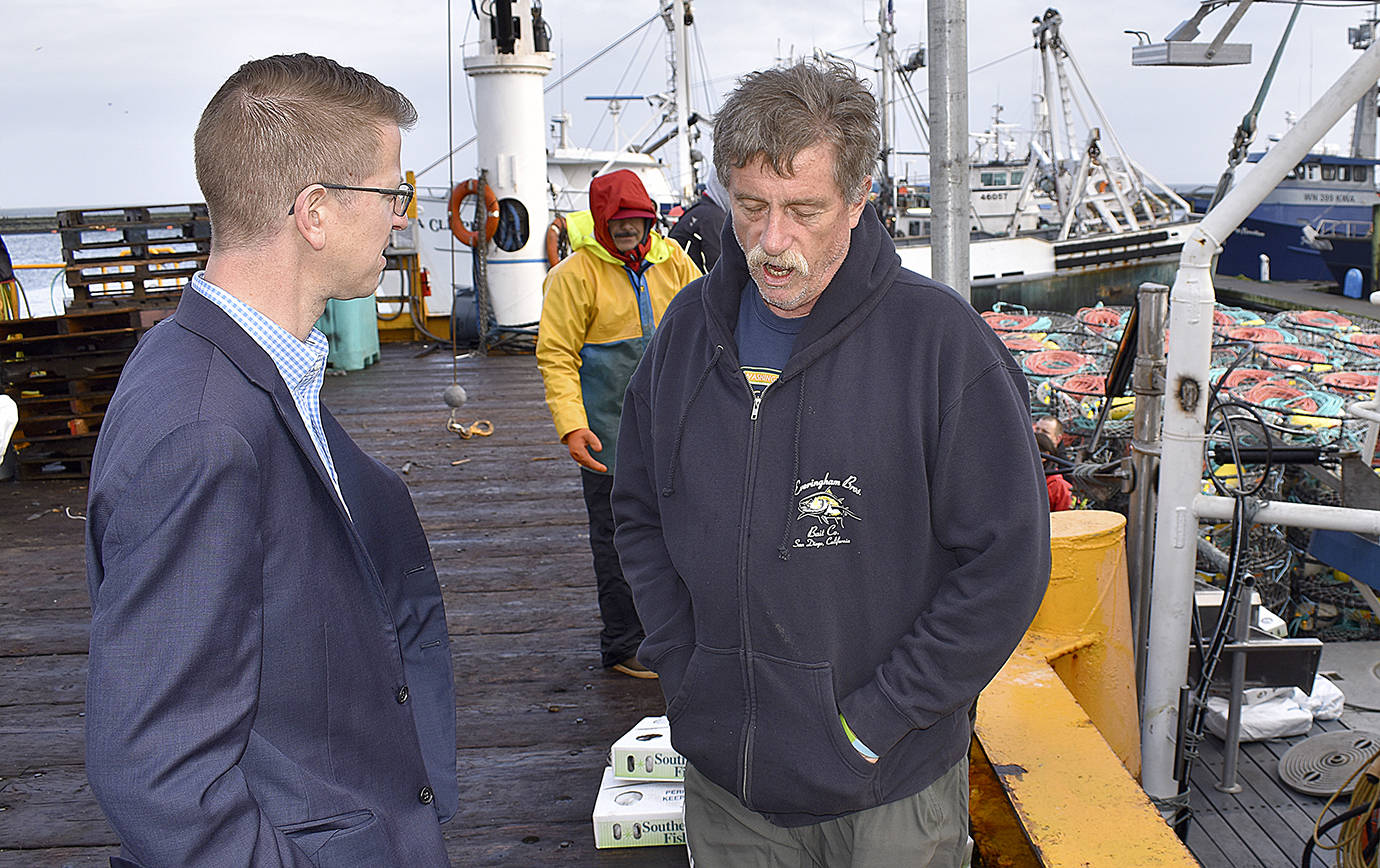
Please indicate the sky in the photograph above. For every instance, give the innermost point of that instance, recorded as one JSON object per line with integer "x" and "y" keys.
{"x": 101, "y": 98}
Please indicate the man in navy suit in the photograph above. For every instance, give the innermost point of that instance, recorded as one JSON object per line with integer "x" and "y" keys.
{"x": 270, "y": 676}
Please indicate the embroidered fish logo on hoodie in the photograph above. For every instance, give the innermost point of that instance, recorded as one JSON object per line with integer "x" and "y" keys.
{"x": 825, "y": 507}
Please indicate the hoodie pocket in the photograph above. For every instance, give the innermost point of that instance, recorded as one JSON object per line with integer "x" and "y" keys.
{"x": 707, "y": 712}
{"x": 801, "y": 761}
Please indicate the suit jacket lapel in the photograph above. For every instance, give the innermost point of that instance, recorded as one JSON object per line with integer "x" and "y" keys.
{"x": 198, "y": 314}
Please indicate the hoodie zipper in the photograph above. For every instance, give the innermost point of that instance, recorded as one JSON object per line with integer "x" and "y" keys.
{"x": 751, "y": 476}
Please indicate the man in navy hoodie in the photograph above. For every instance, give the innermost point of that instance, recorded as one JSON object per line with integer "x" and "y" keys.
{"x": 828, "y": 505}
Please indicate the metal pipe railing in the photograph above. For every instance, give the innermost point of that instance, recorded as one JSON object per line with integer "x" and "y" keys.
{"x": 1185, "y": 415}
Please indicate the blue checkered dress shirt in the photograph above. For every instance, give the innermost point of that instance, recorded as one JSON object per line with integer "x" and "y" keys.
{"x": 302, "y": 365}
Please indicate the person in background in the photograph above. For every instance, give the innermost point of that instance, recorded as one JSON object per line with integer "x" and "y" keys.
{"x": 1060, "y": 491}
{"x": 1049, "y": 435}
{"x": 809, "y": 456}
{"x": 1054, "y": 430}
{"x": 699, "y": 228}
{"x": 270, "y": 673}
{"x": 601, "y": 304}
{"x": 9, "y": 287}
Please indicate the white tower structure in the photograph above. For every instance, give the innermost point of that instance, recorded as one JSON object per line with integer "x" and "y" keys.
{"x": 510, "y": 118}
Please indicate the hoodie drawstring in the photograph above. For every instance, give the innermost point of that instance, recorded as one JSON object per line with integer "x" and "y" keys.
{"x": 670, "y": 487}
{"x": 783, "y": 551}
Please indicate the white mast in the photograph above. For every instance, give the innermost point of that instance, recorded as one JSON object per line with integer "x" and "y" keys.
{"x": 886, "y": 31}
{"x": 510, "y": 120}
{"x": 679, "y": 31}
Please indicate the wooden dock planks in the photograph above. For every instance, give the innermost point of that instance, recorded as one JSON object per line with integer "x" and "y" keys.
{"x": 535, "y": 712}
{"x": 508, "y": 531}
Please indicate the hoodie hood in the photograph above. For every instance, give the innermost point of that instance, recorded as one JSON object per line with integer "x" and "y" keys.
{"x": 616, "y": 192}
{"x": 862, "y": 280}
{"x": 716, "y": 192}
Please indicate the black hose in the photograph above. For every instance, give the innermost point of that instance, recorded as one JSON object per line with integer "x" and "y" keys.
{"x": 1312, "y": 841}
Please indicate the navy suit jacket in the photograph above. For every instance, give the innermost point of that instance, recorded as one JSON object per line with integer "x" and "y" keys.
{"x": 270, "y": 677}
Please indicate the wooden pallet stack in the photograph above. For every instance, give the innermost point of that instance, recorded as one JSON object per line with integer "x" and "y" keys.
{"x": 126, "y": 268}
{"x": 136, "y": 256}
{"x": 61, "y": 371}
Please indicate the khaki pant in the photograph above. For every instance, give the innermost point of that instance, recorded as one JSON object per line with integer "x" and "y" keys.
{"x": 926, "y": 830}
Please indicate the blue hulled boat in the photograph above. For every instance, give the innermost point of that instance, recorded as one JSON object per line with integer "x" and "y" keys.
{"x": 1324, "y": 189}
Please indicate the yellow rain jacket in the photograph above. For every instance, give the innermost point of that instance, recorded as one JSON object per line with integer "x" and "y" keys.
{"x": 596, "y": 318}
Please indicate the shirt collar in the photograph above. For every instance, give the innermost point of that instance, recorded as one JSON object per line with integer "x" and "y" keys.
{"x": 298, "y": 362}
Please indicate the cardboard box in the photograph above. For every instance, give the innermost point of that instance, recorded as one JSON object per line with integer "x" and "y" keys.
{"x": 645, "y": 753}
{"x": 638, "y": 813}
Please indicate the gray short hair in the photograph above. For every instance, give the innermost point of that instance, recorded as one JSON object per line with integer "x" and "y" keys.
{"x": 776, "y": 113}
{"x": 280, "y": 124}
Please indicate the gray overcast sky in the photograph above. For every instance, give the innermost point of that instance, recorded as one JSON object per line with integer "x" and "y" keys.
{"x": 101, "y": 97}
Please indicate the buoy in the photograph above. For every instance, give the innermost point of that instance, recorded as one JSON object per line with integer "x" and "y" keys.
{"x": 460, "y": 193}
{"x": 455, "y": 396}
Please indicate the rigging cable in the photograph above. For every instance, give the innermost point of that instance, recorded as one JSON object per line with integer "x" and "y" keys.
{"x": 704, "y": 74}
{"x": 624, "y": 77}
{"x": 1240, "y": 583}
{"x": 450, "y": 156}
{"x": 1245, "y": 131}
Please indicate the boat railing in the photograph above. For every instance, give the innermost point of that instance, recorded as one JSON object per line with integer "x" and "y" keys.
{"x": 1344, "y": 228}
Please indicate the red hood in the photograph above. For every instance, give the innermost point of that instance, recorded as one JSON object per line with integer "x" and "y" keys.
{"x": 608, "y": 195}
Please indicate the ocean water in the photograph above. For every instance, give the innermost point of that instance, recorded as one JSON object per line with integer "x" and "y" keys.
{"x": 45, "y": 291}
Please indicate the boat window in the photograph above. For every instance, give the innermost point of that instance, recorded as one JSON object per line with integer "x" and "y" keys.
{"x": 1299, "y": 172}
{"x": 1358, "y": 173}
{"x": 1329, "y": 173}
{"x": 1312, "y": 171}
{"x": 1017, "y": 177}
{"x": 993, "y": 179}
{"x": 1343, "y": 173}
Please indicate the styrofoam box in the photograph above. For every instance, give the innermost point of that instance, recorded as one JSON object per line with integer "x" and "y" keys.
{"x": 645, "y": 753}
{"x": 638, "y": 813}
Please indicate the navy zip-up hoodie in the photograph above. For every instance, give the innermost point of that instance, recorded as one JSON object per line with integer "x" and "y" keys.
{"x": 871, "y": 537}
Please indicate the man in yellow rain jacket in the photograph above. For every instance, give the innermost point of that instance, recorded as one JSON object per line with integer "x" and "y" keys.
{"x": 602, "y": 303}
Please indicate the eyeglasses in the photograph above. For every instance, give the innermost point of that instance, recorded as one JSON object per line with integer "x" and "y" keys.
{"x": 402, "y": 196}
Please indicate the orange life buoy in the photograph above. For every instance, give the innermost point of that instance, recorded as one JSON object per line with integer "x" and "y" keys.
{"x": 553, "y": 240}
{"x": 463, "y": 233}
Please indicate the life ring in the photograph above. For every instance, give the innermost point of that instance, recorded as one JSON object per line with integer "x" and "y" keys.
{"x": 463, "y": 233}
{"x": 554, "y": 232}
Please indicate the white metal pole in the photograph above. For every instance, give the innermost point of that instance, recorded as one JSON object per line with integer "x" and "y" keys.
{"x": 1365, "y": 521}
{"x": 949, "y": 183}
{"x": 681, "y": 37}
{"x": 1185, "y": 411}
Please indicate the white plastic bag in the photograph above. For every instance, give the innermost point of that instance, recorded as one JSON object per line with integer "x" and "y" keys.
{"x": 1279, "y": 717}
{"x": 1325, "y": 702}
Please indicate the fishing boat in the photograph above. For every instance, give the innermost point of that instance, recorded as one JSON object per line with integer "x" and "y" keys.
{"x": 1327, "y": 193}
{"x": 1324, "y": 193}
{"x": 1075, "y": 221}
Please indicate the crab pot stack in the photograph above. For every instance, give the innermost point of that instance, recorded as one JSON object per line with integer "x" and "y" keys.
{"x": 61, "y": 371}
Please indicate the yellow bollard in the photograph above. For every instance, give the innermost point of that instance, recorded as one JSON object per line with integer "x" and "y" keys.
{"x": 1057, "y": 744}
{"x": 1088, "y": 604}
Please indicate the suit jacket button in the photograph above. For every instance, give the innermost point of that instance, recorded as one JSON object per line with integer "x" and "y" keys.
{"x": 402, "y": 694}
{"x": 426, "y": 796}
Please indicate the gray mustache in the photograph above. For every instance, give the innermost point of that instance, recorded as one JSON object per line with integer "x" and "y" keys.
{"x": 757, "y": 258}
